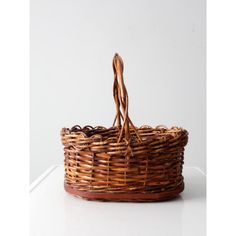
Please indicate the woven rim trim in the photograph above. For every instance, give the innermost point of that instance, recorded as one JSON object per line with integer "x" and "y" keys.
{"x": 159, "y": 131}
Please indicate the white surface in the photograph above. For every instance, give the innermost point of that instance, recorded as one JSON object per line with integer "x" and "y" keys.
{"x": 56, "y": 213}
{"x": 72, "y": 43}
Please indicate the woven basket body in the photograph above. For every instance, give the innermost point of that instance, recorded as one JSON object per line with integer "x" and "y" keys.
{"x": 124, "y": 163}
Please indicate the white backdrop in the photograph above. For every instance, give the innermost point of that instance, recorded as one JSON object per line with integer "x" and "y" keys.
{"x": 72, "y": 44}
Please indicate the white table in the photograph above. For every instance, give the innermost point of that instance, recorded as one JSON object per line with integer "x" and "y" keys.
{"x": 55, "y": 213}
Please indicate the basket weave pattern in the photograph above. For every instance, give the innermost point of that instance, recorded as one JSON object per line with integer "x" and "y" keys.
{"x": 123, "y": 163}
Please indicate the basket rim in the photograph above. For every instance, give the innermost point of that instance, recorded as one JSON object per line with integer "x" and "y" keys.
{"x": 160, "y": 132}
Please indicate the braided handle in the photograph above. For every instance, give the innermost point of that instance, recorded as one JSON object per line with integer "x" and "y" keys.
{"x": 121, "y": 99}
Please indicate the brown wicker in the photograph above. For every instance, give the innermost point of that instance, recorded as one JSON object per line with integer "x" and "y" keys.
{"x": 123, "y": 163}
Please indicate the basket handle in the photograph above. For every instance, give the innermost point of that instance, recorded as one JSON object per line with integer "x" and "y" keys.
{"x": 121, "y": 99}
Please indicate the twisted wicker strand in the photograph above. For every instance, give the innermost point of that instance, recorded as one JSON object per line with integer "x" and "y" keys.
{"x": 121, "y": 99}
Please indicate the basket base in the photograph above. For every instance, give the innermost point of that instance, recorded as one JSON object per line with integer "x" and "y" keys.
{"x": 126, "y": 197}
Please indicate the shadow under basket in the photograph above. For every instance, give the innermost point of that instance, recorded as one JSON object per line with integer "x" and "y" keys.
{"x": 124, "y": 163}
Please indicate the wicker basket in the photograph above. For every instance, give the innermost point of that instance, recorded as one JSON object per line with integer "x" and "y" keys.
{"x": 123, "y": 163}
